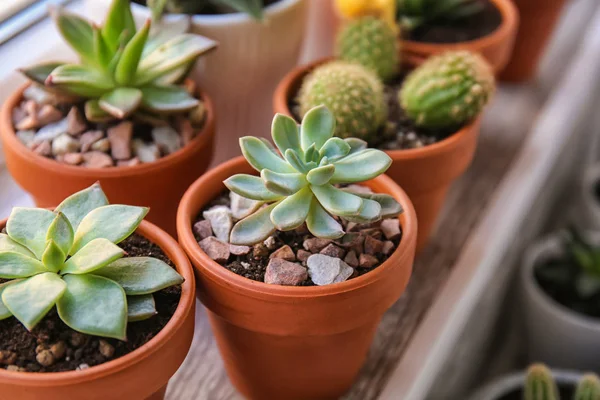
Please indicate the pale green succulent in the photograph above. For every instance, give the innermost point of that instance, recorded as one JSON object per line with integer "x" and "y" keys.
{"x": 69, "y": 258}
{"x": 122, "y": 71}
{"x": 540, "y": 385}
{"x": 254, "y": 8}
{"x": 300, "y": 187}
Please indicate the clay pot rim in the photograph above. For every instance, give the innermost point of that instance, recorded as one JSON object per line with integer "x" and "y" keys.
{"x": 157, "y": 343}
{"x": 284, "y": 88}
{"x": 221, "y": 275}
{"x": 510, "y": 19}
{"x": 9, "y": 137}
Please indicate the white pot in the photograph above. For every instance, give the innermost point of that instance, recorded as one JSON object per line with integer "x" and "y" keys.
{"x": 241, "y": 75}
{"x": 556, "y": 335}
{"x": 586, "y": 213}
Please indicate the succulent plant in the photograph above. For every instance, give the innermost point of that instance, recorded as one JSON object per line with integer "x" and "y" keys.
{"x": 414, "y": 13}
{"x": 70, "y": 258}
{"x": 383, "y": 9}
{"x": 540, "y": 385}
{"x": 353, "y": 93}
{"x": 371, "y": 42}
{"x": 254, "y": 8}
{"x": 447, "y": 90}
{"x": 300, "y": 186}
{"x": 122, "y": 70}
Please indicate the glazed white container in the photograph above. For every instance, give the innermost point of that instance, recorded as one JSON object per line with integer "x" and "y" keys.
{"x": 556, "y": 335}
{"x": 242, "y": 73}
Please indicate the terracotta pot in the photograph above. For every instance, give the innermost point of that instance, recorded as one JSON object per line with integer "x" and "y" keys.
{"x": 141, "y": 374}
{"x": 538, "y": 20}
{"x": 495, "y": 47}
{"x": 425, "y": 174}
{"x": 281, "y": 342}
{"x": 158, "y": 185}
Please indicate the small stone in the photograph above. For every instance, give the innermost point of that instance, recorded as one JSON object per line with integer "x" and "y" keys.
{"x": 48, "y": 114}
{"x": 26, "y": 137}
{"x": 73, "y": 158}
{"x": 58, "y": 350}
{"x": 259, "y": 250}
{"x": 239, "y": 250}
{"x": 202, "y": 229}
{"x": 345, "y": 273}
{"x": 359, "y": 189}
{"x": 388, "y": 247}
{"x": 45, "y": 358}
{"x": 146, "y": 152}
{"x": 76, "y": 122}
{"x": 325, "y": 270}
{"x": 373, "y": 246}
{"x": 89, "y": 138}
{"x": 270, "y": 243}
{"x": 282, "y": 272}
{"x": 302, "y": 255}
{"x": 42, "y": 148}
{"x": 220, "y": 221}
{"x": 190, "y": 86}
{"x": 285, "y": 253}
{"x": 51, "y": 131}
{"x": 373, "y": 232}
{"x": 197, "y": 115}
{"x": 352, "y": 240}
{"x": 129, "y": 163}
{"x": 332, "y": 250}
{"x": 64, "y": 144}
{"x": 241, "y": 207}
{"x": 351, "y": 259}
{"x": 15, "y": 368}
{"x": 102, "y": 145}
{"x": 367, "y": 261}
{"x": 315, "y": 245}
{"x": 215, "y": 249}
{"x": 77, "y": 339}
{"x": 82, "y": 367}
{"x": 351, "y": 226}
{"x": 245, "y": 264}
{"x": 40, "y": 95}
{"x": 18, "y": 114}
{"x": 106, "y": 349}
{"x": 301, "y": 230}
{"x": 7, "y": 357}
{"x": 187, "y": 131}
{"x": 119, "y": 137}
{"x": 167, "y": 139}
{"x": 97, "y": 159}
{"x": 29, "y": 120}
{"x": 390, "y": 228}
{"x": 40, "y": 347}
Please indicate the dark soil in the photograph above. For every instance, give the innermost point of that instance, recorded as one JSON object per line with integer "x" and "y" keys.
{"x": 463, "y": 30}
{"x": 209, "y": 8}
{"x": 18, "y": 345}
{"x": 565, "y": 393}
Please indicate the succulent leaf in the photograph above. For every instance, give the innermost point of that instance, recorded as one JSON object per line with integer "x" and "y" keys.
{"x": 318, "y": 125}
{"x": 7, "y": 244}
{"x": 17, "y": 265}
{"x": 312, "y": 154}
{"x": 140, "y": 308}
{"x": 78, "y": 33}
{"x": 285, "y": 133}
{"x": 251, "y": 187}
{"x": 292, "y": 212}
{"x": 283, "y": 184}
{"x": 167, "y": 99}
{"x": 254, "y": 228}
{"x": 295, "y": 161}
{"x": 260, "y": 157}
{"x": 141, "y": 275}
{"x": 356, "y": 145}
{"x": 30, "y": 300}
{"x": 95, "y": 113}
{"x": 79, "y": 80}
{"x": 94, "y": 305}
{"x": 28, "y": 227}
{"x": 80, "y": 204}
{"x": 389, "y": 206}
{"x": 362, "y": 166}
{"x": 96, "y": 254}
{"x": 335, "y": 148}
{"x": 132, "y": 54}
{"x": 321, "y": 224}
{"x": 337, "y": 201}
{"x": 104, "y": 55}
{"x": 321, "y": 175}
{"x": 369, "y": 212}
{"x": 53, "y": 257}
{"x": 61, "y": 233}
{"x": 39, "y": 73}
{"x": 119, "y": 25}
{"x": 4, "y": 311}
{"x": 121, "y": 102}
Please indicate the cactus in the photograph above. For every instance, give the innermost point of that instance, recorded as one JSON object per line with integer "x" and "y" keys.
{"x": 588, "y": 388}
{"x": 371, "y": 42}
{"x": 299, "y": 187}
{"x": 540, "y": 385}
{"x": 254, "y": 8}
{"x": 447, "y": 90}
{"x": 354, "y": 95}
{"x": 414, "y": 13}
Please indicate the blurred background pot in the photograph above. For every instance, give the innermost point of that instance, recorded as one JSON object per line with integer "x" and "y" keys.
{"x": 586, "y": 210}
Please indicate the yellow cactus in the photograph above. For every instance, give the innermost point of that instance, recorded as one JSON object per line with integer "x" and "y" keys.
{"x": 384, "y": 9}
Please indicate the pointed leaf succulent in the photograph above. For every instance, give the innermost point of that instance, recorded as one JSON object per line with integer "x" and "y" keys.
{"x": 69, "y": 258}
{"x": 302, "y": 185}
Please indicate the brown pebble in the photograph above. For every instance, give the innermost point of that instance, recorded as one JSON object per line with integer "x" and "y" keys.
{"x": 78, "y": 354}
{"x": 270, "y": 242}
{"x": 388, "y": 247}
{"x": 202, "y": 229}
{"x": 48, "y": 114}
{"x": 7, "y": 357}
{"x": 303, "y": 255}
{"x": 129, "y": 163}
{"x": 215, "y": 249}
{"x": 15, "y": 368}
{"x": 89, "y": 138}
{"x": 285, "y": 253}
{"x": 106, "y": 349}
{"x": 259, "y": 250}
{"x": 97, "y": 159}
{"x": 45, "y": 358}
{"x": 372, "y": 232}
{"x": 373, "y": 246}
{"x": 367, "y": 261}
{"x": 332, "y": 250}
{"x": 43, "y": 148}
{"x": 40, "y": 347}
{"x": 282, "y": 272}
{"x": 120, "y": 140}
{"x": 239, "y": 250}
{"x": 351, "y": 259}
{"x": 58, "y": 350}
{"x": 391, "y": 228}
{"x": 315, "y": 245}
{"x": 75, "y": 122}
{"x": 186, "y": 130}
{"x": 77, "y": 339}
{"x": 72, "y": 158}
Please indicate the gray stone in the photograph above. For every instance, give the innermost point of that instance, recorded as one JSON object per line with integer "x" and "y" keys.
{"x": 215, "y": 249}
{"x": 76, "y": 122}
{"x": 51, "y": 131}
{"x": 323, "y": 270}
{"x": 220, "y": 221}
{"x": 120, "y": 140}
{"x": 146, "y": 152}
{"x": 241, "y": 207}
{"x": 239, "y": 250}
{"x": 282, "y": 272}
{"x": 167, "y": 139}
{"x": 270, "y": 242}
{"x": 345, "y": 273}
{"x": 64, "y": 144}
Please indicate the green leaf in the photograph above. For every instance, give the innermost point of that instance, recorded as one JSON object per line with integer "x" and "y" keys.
{"x": 362, "y": 166}
{"x": 336, "y": 201}
{"x": 320, "y": 176}
{"x": 78, "y": 205}
{"x": 119, "y": 25}
{"x": 53, "y": 257}
{"x": 28, "y": 227}
{"x": 251, "y": 187}
{"x": 17, "y": 265}
{"x": 334, "y": 149}
{"x": 78, "y": 33}
{"x": 157, "y": 7}
{"x": 356, "y": 145}
{"x": 292, "y": 212}
{"x": 260, "y": 157}
{"x": 79, "y": 80}
{"x": 311, "y": 154}
{"x": 176, "y": 52}
{"x": 30, "y": 300}
{"x": 94, "y": 305}
{"x": 141, "y": 275}
{"x": 283, "y": 184}
{"x": 321, "y": 224}
{"x": 318, "y": 125}
{"x": 132, "y": 54}
{"x": 389, "y": 206}
{"x": 121, "y": 102}
{"x": 94, "y": 255}
{"x": 293, "y": 158}
{"x": 39, "y": 73}
{"x": 102, "y": 52}
{"x": 61, "y": 233}
{"x": 254, "y": 228}
{"x": 112, "y": 222}
{"x": 285, "y": 133}
{"x": 94, "y": 113}
{"x": 370, "y": 212}
{"x": 140, "y": 308}
{"x": 252, "y": 7}
{"x": 7, "y": 244}
{"x": 4, "y": 311}
{"x": 167, "y": 99}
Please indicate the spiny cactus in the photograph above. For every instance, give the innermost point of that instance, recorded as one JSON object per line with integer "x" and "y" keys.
{"x": 540, "y": 385}
{"x": 588, "y": 388}
{"x": 447, "y": 90}
{"x": 354, "y": 95}
{"x": 254, "y": 8}
{"x": 122, "y": 71}
{"x": 371, "y": 42}
{"x": 299, "y": 187}
{"x": 414, "y": 13}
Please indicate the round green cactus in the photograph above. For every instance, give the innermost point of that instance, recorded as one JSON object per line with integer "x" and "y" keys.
{"x": 447, "y": 90}
{"x": 371, "y": 42}
{"x": 353, "y": 93}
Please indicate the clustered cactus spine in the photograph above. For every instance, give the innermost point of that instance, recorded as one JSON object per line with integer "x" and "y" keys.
{"x": 540, "y": 385}
{"x": 371, "y": 42}
{"x": 354, "y": 94}
{"x": 447, "y": 90}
